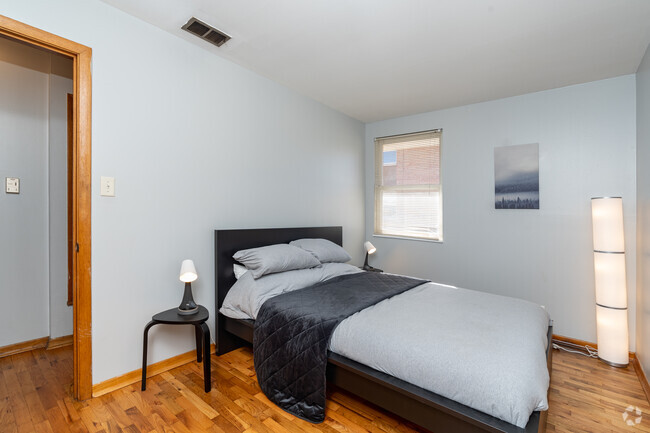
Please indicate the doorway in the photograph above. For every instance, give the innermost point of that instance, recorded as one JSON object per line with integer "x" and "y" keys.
{"x": 81, "y": 191}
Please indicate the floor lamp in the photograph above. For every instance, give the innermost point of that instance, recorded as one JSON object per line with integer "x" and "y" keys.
{"x": 610, "y": 280}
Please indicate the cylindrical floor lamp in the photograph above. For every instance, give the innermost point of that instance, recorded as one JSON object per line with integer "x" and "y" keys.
{"x": 610, "y": 280}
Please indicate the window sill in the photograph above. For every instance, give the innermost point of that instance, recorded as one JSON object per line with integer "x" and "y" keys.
{"x": 435, "y": 241}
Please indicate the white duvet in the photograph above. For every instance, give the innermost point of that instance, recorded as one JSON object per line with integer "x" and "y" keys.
{"x": 485, "y": 351}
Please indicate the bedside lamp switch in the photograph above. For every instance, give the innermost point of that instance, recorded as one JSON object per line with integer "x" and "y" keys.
{"x": 12, "y": 185}
{"x": 107, "y": 186}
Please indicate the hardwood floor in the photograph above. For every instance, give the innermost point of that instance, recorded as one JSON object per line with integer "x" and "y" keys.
{"x": 588, "y": 395}
{"x": 35, "y": 396}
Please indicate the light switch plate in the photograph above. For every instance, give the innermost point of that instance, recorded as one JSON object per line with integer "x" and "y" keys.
{"x": 107, "y": 186}
{"x": 12, "y": 185}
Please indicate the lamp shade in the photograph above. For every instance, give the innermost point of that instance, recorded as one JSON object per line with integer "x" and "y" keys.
{"x": 607, "y": 215}
{"x": 188, "y": 271}
{"x": 612, "y": 335}
{"x": 609, "y": 271}
{"x": 370, "y": 248}
{"x": 610, "y": 280}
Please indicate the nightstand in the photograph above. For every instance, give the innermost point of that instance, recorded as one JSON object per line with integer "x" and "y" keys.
{"x": 202, "y": 333}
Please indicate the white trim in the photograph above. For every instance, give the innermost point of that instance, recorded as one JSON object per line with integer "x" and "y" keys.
{"x": 408, "y": 238}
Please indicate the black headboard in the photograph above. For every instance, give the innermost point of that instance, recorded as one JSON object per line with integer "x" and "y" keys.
{"x": 228, "y": 242}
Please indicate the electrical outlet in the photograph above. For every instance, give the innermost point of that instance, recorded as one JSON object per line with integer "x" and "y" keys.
{"x": 107, "y": 186}
{"x": 12, "y": 185}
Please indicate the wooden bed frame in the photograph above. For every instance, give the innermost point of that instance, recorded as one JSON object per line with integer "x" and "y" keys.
{"x": 425, "y": 408}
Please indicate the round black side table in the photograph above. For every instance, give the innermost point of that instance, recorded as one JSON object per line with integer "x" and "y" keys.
{"x": 202, "y": 332}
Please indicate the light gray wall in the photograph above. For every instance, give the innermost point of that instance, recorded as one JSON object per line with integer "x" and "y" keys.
{"x": 23, "y": 231}
{"x": 60, "y": 85}
{"x": 643, "y": 211}
{"x": 586, "y": 135}
{"x": 195, "y": 143}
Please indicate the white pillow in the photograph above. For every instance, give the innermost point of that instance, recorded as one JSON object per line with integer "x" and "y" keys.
{"x": 325, "y": 251}
{"x": 246, "y": 296}
{"x": 238, "y": 270}
{"x": 238, "y": 303}
{"x": 275, "y": 258}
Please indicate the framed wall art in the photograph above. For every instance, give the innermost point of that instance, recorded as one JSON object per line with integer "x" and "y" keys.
{"x": 516, "y": 176}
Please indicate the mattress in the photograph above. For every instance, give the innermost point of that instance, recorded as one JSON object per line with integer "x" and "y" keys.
{"x": 482, "y": 350}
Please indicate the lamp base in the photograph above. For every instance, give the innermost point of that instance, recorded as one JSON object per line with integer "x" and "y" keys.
{"x": 188, "y": 306}
{"x": 367, "y": 267}
{"x": 371, "y": 269}
{"x": 613, "y": 364}
{"x": 188, "y": 312}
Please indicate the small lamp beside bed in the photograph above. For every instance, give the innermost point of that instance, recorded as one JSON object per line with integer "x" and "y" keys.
{"x": 188, "y": 274}
{"x": 370, "y": 249}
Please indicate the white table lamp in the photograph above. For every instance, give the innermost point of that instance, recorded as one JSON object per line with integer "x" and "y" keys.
{"x": 188, "y": 274}
{"x": 370, "y": 249}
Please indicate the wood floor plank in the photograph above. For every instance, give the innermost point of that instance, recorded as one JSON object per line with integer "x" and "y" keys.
{"x": 35, "y": 396}
{"x": 197, "y": 402}
{"x": 124, "y": 419}
{"x": 68, "y": 410}
{"x": 229, "y": 415}
{"x": 17, "y": 401}
{"x": 57, "y": 421}
{"x": 7, "y": 416}
{"x": 43, "y": 427}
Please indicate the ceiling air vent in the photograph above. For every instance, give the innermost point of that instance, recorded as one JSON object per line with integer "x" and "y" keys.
{"x": 206, "y": 32}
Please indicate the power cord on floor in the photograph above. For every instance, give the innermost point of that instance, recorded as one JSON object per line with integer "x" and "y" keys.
{"x": 591, "y": 352}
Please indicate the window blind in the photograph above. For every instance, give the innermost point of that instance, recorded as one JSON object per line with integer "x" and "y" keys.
{"x": 408, "y": 193}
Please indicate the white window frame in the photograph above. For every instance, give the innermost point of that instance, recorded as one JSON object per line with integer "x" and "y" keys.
{"x": 381, "y": 189}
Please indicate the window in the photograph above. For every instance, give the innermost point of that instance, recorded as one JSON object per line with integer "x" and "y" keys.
{"x": 408, "y": 193}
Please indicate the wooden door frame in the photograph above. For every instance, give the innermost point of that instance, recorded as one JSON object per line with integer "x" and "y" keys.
{"x": 81, "y": 56}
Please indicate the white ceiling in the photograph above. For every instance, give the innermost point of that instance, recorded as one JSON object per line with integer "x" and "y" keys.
{"x": 378, "y": 59}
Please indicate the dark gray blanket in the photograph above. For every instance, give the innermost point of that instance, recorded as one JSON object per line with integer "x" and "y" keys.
{"x": 293, "y": 331}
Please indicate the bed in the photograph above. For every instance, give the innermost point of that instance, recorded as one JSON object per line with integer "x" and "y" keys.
{"x": 425, "y": 408}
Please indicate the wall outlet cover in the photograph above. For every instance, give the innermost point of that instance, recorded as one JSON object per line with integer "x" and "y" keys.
{"x": 12, "y": 185}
